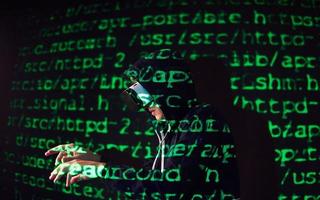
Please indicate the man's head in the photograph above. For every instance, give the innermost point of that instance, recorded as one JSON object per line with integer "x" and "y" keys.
{"x": 161, "y": 83}
{"x": 143, "y": 99}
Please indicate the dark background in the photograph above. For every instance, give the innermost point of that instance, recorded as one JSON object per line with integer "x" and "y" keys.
{"x": 261, "y": 177}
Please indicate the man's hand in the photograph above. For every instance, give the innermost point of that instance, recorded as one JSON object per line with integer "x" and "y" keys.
{"x": 69, "y": 152}
{"x": 77, "y": 170}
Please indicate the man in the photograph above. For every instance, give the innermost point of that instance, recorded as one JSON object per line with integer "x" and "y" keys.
{"x": 195, "y": 156}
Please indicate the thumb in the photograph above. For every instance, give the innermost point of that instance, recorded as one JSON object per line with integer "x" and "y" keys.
{"x": 67, "y": 159}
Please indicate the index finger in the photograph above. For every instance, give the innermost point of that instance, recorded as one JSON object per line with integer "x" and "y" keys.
{"x": 57, "y": 149}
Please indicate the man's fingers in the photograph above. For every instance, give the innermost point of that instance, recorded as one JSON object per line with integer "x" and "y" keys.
{"x": 51, "y": 176}
{"x": 61, "y": 172}
{"x": 78, "y": 178}
{"x": 54, "y": 173}
{"x": 50, "y": 152}
{"x": 57, "y": 149}
{"x": 67, "y": 159}
{"x": 68, "y": 179}
{"x": 75, "y": 179}
{"x": 59, "y": 157}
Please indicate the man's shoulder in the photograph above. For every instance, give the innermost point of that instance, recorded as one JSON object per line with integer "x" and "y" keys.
{"x": 204, "y": 118}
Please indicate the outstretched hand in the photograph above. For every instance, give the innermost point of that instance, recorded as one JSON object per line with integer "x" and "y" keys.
{"x": 69, "y": 152}
{"x": 77, "y": 170}
{"x": 76, "y": 162}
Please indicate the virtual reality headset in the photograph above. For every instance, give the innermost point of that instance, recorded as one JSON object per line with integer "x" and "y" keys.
{"x": 137, "y": 97}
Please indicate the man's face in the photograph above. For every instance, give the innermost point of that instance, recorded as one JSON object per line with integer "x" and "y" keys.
{"x": 142, "y": 98}
{"x": 156, "y": 112}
